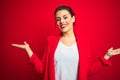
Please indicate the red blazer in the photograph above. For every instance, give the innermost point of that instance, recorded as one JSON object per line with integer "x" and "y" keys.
{"x": 86, "y": 66}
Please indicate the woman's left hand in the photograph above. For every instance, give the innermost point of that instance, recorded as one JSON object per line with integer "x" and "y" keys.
{"x": 112, "y": 52}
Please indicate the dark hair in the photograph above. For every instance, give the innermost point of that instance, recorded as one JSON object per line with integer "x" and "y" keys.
{"x": 64, "y": 8}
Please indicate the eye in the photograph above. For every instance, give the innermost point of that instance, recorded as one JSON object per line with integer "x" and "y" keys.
{"x": 65, "y": 17}
{"x": 57, "y": 19}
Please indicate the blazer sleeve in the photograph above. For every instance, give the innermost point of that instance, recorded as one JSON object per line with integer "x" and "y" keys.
{"x": 98, "y": 65}
{"x": 39, "y": 64}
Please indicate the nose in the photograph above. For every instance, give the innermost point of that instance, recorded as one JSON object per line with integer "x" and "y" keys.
{"x": 62, "y": 20}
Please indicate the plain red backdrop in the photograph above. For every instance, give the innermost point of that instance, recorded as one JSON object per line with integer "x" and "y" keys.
{"x": 33, "y": 21}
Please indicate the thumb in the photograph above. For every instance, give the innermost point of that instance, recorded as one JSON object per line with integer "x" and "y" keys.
{"x": 26, "y": 43}
{"x": 110, "y": 49}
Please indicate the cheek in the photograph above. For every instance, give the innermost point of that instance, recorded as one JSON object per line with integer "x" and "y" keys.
{"x": 70, "y": 22}
{"x": 58, "y": 23}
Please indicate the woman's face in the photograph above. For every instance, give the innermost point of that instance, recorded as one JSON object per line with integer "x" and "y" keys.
{"x": 64, "y": 20}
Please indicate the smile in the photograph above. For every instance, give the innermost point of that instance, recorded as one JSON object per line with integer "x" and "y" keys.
{"x": 63, "y": 25}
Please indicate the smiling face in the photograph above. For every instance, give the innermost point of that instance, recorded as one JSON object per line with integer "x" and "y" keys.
{"x": 64, "y": 20}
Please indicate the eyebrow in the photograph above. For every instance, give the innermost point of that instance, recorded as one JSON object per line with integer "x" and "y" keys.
{"x": 62, "y": 16}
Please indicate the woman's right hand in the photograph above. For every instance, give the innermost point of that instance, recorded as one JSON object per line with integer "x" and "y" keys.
{"x": 26, "y": 47}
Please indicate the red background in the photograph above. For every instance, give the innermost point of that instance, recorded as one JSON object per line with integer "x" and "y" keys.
{"x": 33, "y": 21}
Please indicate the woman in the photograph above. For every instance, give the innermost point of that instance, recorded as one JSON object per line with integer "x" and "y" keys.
{"x": 65, "y": 58}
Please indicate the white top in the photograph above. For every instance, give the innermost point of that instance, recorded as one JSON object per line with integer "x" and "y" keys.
{"x": 66, "y": 62}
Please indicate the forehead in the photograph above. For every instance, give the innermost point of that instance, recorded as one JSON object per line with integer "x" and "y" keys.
{"x": 61, "y": 13}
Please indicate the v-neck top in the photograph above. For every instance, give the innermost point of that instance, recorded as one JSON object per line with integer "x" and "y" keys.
{"x": 66, "y": 62}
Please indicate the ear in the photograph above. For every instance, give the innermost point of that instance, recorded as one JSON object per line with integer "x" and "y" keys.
{"x": 73, "y": 19}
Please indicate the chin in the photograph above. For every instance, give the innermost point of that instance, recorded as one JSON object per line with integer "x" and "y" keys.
{"x": 64, "y": 31}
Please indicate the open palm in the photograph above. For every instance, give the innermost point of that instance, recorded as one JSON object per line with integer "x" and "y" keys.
{"x": 113, "y": 52}
{"x": 23, "y": 46}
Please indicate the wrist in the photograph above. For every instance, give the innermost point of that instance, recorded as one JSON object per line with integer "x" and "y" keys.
{"x": 107, "y": 56}
{"x": 29, "y": 51}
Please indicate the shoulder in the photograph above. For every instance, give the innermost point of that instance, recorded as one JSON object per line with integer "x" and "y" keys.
{"x": 53, "y": 40}
{"x": 53, "y": 37}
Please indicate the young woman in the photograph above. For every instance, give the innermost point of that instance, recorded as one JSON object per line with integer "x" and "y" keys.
{"x": 65, "y": 58}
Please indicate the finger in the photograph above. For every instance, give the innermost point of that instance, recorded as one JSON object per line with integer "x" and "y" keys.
{"x": 110, "y": 49}
{"x": 118, "y": 50}
{"x": 18, "y": 45}
{"x": 26, "y": 43}
{"x": 14, "y": 44}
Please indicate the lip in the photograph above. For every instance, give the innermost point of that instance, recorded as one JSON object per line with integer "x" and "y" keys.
{"x": 63, "y": 25}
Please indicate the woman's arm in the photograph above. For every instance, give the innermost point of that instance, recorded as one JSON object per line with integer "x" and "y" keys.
{"x": 38, "y": 64}
{"x": 98, "y": 65}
